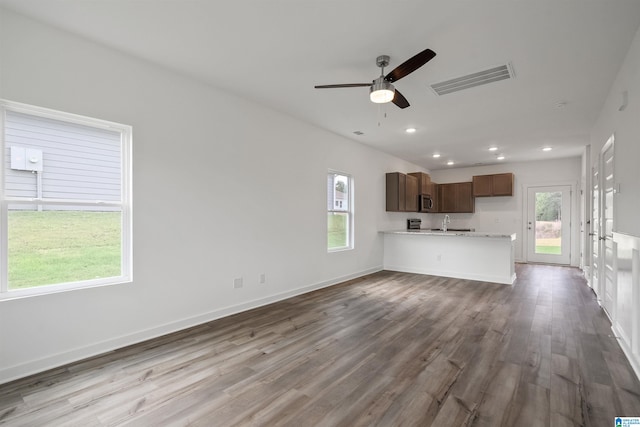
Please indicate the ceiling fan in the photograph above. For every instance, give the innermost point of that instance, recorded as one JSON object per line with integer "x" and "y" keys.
{"x": 381, "y": 89}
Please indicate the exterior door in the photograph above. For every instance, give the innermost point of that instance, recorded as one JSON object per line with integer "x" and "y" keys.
{"x": 606, "y": 228}
{"x": 549, "y": 224}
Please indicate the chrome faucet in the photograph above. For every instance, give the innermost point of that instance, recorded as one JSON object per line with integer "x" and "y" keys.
{"x": 446, "y": 220}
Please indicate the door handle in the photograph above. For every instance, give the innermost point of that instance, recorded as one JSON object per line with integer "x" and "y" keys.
{"x": 592, "y": 234}
{"x": 602, "y": 238}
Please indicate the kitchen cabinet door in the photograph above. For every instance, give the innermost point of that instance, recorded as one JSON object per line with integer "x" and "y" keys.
{"x": 402, "y": 193}
{"x": 456, "y": 197}
{"x": 482, "y": 186}
{"x": 411, "y": 194}
{"x": 424, "y": 182}
{"x": 503, "y": 184}
{"x": 396, "y": 183}
{"x": 500, "y": 184}
{"x": 446, "y": 198}
{"x": 464, "y": 197}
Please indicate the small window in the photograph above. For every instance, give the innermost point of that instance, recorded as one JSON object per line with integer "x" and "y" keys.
{"x": 339, "y": 211}
{"x": 65, "y": 215}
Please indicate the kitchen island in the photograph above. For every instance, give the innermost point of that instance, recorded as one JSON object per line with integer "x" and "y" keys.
{"x": 486, "y": 257}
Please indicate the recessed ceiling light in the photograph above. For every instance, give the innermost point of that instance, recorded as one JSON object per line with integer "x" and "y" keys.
{"x": 410, "y": 130}
{"x": 500, "y": 157}
{"x": 450, "y": 162}
{"x": 493, "y": 148}
{"x": 435, "y": 156}
{"x": 547, "y": 149}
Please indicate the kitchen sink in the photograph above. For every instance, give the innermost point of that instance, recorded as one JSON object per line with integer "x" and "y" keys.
{"x": 454, "y": 229}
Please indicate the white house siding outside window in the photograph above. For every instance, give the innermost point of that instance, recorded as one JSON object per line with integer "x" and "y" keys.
{"x": 339, "y": 211}
{"x": 65, "y": 213}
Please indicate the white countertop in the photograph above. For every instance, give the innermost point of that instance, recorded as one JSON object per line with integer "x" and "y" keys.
{"x": 428, "y": 232}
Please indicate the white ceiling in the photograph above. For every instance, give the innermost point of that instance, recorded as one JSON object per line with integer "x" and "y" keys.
{"x": 273, "y": 52}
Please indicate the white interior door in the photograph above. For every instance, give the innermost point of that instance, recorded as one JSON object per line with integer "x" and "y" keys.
{"x": 595, "y": 233}
{"x": 606, "y": 228}
{"x": 549, "y": 224}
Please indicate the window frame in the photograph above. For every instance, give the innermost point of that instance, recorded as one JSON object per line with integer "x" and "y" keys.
{"x": 125, "y": 203}
{"x": 350, "y": 212}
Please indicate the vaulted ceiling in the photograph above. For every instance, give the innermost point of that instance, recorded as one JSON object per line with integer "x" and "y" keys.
{"x": 564, "y": 56}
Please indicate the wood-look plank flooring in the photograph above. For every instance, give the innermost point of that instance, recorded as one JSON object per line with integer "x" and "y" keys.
{"x": 389, "y": 349}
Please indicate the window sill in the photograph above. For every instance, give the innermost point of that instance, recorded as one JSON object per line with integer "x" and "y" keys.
{"x": 55, "y": 289}
{"x": 348, "y": 248}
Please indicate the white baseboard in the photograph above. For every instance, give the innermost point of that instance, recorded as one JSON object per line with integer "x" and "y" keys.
{"x": 634, "y": 361}
{"x": 56, "y": 360}
{"x": 506, "y": 280}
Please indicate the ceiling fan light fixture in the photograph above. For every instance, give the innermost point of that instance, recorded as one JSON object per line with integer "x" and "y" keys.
{"x": 381, "y": 91}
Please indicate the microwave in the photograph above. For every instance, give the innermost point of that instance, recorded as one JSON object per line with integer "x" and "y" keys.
{"x": 425, "y": 203}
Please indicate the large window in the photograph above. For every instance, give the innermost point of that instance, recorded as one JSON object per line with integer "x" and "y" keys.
{"x": 65, "y": 201}
{"x": 339, "y": 211}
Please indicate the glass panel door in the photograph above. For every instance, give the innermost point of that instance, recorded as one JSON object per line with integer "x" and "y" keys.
{"x": 549, "y": 224}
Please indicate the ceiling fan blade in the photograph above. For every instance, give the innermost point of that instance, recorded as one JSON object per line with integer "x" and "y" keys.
{"x": 410, "y": 65}
{"x": 343, "y": 85}
{"x": 400, "y": 100}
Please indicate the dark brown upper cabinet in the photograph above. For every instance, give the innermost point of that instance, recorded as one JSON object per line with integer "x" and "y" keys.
{"x": 402, "y": 192}
{"x": 456, "y": 197}
{"x": 424, "y": 182}
{"x": 500, "y": 184}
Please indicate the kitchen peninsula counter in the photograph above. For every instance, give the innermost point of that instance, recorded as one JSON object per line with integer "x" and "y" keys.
{"x": 473, "y": 255}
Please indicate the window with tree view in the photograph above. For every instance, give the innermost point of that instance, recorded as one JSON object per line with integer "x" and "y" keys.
{"x": 548, "y": 237}
{"x": 65, "y": 213}
{"x": 339, "y": 211}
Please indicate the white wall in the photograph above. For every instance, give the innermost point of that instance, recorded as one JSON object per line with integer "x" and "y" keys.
{"x": 625, "y": 292}
{"x": 506, "y": 214}
{"x": 223, "y": 188}
{"x": 626, "y": 127}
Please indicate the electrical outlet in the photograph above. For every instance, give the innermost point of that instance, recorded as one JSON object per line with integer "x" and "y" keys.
{"x": 263, "y": 279}
{"x": 237, "y": 283}
{"x": 439, "y": 257}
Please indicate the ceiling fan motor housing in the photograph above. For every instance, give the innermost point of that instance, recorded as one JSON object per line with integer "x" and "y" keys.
{"x": 382, "y": 61}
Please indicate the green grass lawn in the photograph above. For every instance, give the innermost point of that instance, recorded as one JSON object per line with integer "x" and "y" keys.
{"x": 550, "y": 250}
{"x": 337, "y": 231}
{"x": 53, "y": 247}
{"x": 549, "y": 246}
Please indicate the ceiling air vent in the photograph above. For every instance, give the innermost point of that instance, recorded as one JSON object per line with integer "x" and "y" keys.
{"x": 495, "y": 74}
